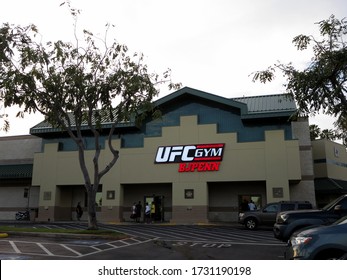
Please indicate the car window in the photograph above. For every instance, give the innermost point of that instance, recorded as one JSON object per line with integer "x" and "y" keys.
{"x": 271, "y": 208}
{"x": 331, "y": 204}
{"x": 287, "y": 206}
{"x": 305, "y": 206}
{"x": 343, "y": 204}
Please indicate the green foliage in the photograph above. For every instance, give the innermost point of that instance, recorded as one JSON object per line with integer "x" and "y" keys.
{"x": 6, "y": 124}
{"x": 77, "y": 85}
{"x": 60, "y": 78}
{"x": 321, "y": 87}
{"x": 317, "y": 133}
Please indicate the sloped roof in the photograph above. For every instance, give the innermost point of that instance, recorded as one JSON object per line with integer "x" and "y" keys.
{"x": 251, "y": 107}
{"x": 44, "y": 126}
{"x": 186, "y": 91}
{"x": 279, "y": 104}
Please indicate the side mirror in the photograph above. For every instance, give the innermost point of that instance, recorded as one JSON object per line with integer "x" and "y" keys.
{"x": 337, "y": 208}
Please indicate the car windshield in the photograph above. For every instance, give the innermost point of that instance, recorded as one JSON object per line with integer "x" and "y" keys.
{"x": 329, "y": 205}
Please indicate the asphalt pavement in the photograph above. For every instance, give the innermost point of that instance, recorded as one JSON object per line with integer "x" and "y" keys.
{"x": 143, "y": 242}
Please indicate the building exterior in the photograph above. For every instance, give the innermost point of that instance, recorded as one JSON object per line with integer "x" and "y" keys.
{"x": 197, "y": 163}
{"x": 16, "y": 165}
{"x": 330, "y": 168}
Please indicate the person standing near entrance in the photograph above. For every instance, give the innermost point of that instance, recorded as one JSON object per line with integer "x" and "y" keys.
{"x": 133, "y": 212}
{"x": 79, "y": 211}
{"x": 147, "y": 213}
{"x": 153, "y": 212}
{"x": 138, "y": 211}
{"x": 252, "y": 206}
{"x": 244, "y": 206}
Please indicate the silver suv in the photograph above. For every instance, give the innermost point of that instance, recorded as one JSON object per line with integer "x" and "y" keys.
{"x": 267, "y": 214}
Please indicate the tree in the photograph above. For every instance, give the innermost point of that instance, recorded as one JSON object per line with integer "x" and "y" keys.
{"x": 76, "y": 85}
{"x": 5, "y": 125}
{"x": 322, "y": 85}
{"x": 315, "y": 131}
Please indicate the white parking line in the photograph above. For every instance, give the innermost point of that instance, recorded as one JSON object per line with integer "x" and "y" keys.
{"x": 15, "y": 248}
{"x": 71, "y": 250}
{"x": 122, "y": 241}
{"x": 45, "y": 249}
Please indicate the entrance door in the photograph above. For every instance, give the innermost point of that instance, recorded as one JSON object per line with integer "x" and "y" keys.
{"x": 159, "y": 206}
{"x": 246, "y": 198}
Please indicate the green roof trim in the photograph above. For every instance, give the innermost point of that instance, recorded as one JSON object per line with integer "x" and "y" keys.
{"x": 16, "y": 171}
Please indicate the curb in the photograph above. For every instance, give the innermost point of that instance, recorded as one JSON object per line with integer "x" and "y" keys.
{"x": 3, "y": 235}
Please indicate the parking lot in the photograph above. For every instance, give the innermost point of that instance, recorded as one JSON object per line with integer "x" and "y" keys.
{"x": 147, "y": 242}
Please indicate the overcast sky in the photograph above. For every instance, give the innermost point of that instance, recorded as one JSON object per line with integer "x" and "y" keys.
{"x": 210, "y": 45}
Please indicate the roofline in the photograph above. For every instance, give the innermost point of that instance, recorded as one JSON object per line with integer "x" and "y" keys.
{"x": 229, "y": 102}
{"x": 205, "y": 95}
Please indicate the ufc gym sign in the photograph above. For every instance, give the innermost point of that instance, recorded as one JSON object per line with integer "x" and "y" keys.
{"x": 200, "y": 157}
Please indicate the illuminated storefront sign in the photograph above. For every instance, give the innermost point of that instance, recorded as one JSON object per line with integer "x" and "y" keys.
{"x": 200, "y": 157}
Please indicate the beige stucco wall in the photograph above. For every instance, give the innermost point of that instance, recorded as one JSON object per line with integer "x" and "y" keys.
{"x": 335, "y": 155}
{"x": 275, "y": 161}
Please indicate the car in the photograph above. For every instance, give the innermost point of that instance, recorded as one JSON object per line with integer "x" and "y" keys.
{"x": 290, "y": 221}
{"x": 319, "y": 242}
{"x": 267, "y": 215}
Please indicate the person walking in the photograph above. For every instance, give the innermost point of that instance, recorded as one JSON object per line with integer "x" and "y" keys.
{"x": 79, "y": 211}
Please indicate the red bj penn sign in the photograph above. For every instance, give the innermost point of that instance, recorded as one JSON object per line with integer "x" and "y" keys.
{"x": 191, "y": 158}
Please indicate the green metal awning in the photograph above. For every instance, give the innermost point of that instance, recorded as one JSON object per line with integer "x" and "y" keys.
{"x": 329, "y": 185}
{"x": 16, "y": 171}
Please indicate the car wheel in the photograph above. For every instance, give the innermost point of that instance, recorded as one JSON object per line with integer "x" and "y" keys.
{"x": 251, "y": 223}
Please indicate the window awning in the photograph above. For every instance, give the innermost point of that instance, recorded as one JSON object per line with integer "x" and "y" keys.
{"x": 329, "y": 185}
{"x": 16, "y": 171}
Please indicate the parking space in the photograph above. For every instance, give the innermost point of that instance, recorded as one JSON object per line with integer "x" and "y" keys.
{"x": 47, "y": 247}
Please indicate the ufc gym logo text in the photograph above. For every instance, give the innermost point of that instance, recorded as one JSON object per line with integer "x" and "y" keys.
{"x": 192, "y": 157}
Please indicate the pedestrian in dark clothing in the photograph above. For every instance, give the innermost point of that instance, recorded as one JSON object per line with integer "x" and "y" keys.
{"x": 138, "y": 211}
{"x": 244, "y": 206}
{"x": 79, "y": 211}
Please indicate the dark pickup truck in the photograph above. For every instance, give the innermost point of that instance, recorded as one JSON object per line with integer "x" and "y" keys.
{"x": 290, "y": 221}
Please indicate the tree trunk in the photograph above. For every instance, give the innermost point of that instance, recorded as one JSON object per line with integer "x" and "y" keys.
{"x": 92, "y": 221}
